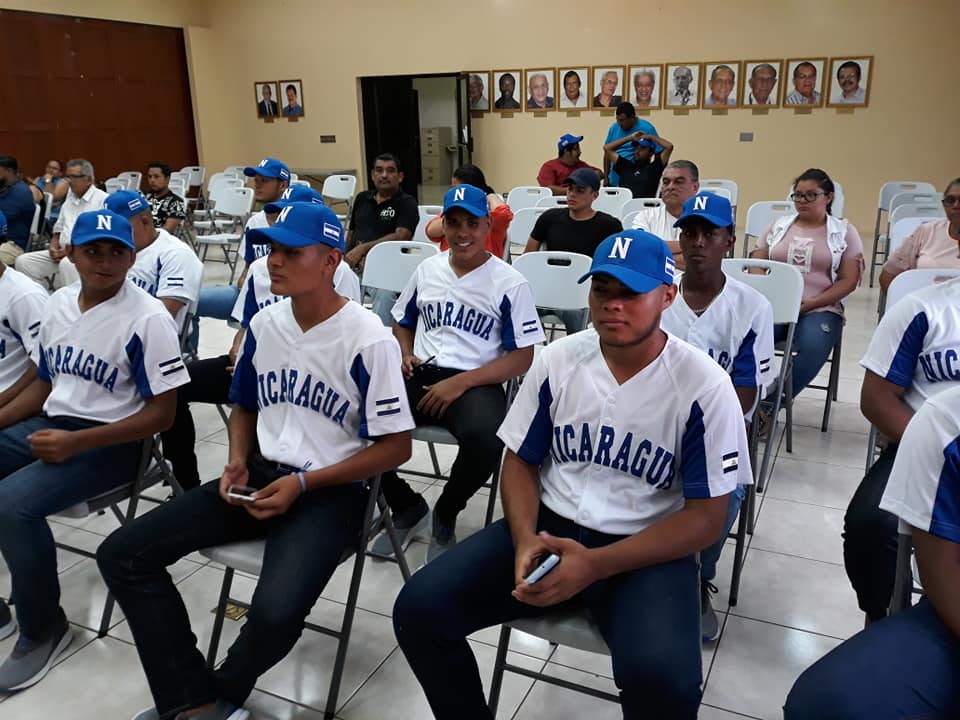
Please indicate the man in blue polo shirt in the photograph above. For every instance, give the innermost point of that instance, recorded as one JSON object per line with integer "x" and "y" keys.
{"x": 16, "y": 203}
{"x": 627, "y": 123}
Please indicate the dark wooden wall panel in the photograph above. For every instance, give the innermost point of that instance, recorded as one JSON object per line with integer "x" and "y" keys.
{"x": 115, "y": 93}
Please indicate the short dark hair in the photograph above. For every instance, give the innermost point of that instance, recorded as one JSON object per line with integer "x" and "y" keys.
{"x": 626, "y": 108}
{"x": 796, "y": 70}
{"x": 9, "y": 162}
{"x": 851, "y": 64}
{"x": 389, "y": 157}
{"x": 161, "y": 166}
{"x": 470, "y": 174}
{"x": 820, "y": 178}
{"x": 572, "y": 73}
{"x": 952, "y": 183}
{"x": 687, "y": 165}
{"x": 290, "y": 87}
{"x": 504, "y": 77}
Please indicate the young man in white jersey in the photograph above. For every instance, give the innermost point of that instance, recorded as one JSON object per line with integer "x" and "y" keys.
{"x": 906, "y": 666}
{"x": 621, "y": 449}
{"x": 914, "y": 355}
{"x": 319, "y": 408}
{"x": 166, "y": 267}
{"x": 733, "y": 324}
{"x": 466, "y": 323}
{"x": 108, "y": 363}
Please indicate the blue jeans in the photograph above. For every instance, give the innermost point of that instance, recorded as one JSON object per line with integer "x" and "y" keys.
{"x": 903, "y": 667}
{"x": 216, "y": 301}
{"x": 813, "y": 339}
{"x": 382, "y": 302}
{"x": 30, "y": 490}
{"x": 649, "y": 618}
{"x": 710, "y": 556}
{"x": 303, "y": 548}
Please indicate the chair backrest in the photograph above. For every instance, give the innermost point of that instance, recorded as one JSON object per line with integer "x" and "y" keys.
{"x": 47, "y": 205}
{"x": 113, "y": 184}
{"x": 913, "y": 198}
{"x": 902, "y": 229}
{"x": 893, "y": 188}
{"x": 219, "y": 183}
{"x": 35, "y": 223}
{"x": 426, "y": 213}
{"x": 551, "y": 201}
{"x": 302, "y": 183}
{"x": 765, "y": 212}
{"x": 526, "y": 196}
{"x": 389, "y": 265}
{"x": 781, "y": 284}
{"x": 179, "y": 175}
{"x": 730, "y": 186}
{"x": 234, "y": 201}
{"x": 635, "y": 205}
{"x": 339, "y": 187}
{"x": 916, "y": 210}
{"x": 197, "y": 174}
{"x": 611, "y": 200}
{"x": 131, "y": 178}
{"x": 218, "y": 177}
{"x": 522, "y": 225}
{"x": 179, "y": 188}
{"x": 722, "y": 192}
{"x": 912, "y": 280}
{"x": 234, "y": 170}
{"x": 553, "y": 278}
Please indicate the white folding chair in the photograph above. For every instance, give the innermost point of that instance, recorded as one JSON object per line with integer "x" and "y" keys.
{"x": 301, "y": 183}
{"x": 899, "y": 231}
{"x": 636, "y": 205}
{"x": 219, "y": 189}
{"x": 236, "y": 170}
{"x": 553, "y": 277}
{"x": 234, "y": 205}
{"x": 426, "y": 214}
{"x": 611, "y": 200}
{"x": 730, "y": 186}
{"x": 520, "y": 228}
{"x": 552, "y": 201}
{"x": 131, "y": 178}
{"x": 760, "y": 215}
{"x": 526, "y": 196}
{"x": 722, "y": 192}
{"x": 178, "y": 188}
{"x": 339, "y": 190}
{"x": 887, "y": 192}
{"x": 927, "y": 209}
{"x": 114, "y": 184}
{"x": 389, "y": 265}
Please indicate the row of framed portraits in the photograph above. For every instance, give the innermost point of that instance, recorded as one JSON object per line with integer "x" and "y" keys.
{"x": 794, "y": 82}
{"x": 279, "y": 98}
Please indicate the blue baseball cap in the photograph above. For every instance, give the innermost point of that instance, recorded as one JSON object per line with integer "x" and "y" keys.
{"x": 470, "y": 198}
{"x": 3, "y": 224}
{"x": 638, "y": 259}
{"x": 102, "y": 224}
{"x": 567, "y": 140}
{"x": 126, "y": 203}
{"x": 301, "y": 224}
{"x": 643, "y": 143}
{"x": 269, "y": 168}
{"x": 584, "y": 177}
{"x": 293, "y": 194}
{"x": 713, "y": 208}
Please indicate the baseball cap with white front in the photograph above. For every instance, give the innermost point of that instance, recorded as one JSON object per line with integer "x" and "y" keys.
{"x": 638, "y": 259}
{"x": 713, "y": 208}
{"x": 268, "y": 168}
{"x": 300, "y": 225}
{"x": 470, "y": 198}
{"x": 102, "y": 224}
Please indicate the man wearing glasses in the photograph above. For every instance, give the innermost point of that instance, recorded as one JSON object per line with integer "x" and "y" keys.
{"x": 805, "y": 85}
{"x": 51, "y": 267}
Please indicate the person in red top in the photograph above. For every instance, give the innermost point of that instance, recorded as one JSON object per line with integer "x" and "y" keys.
{"x": 500, "y": 212}
{"x": 554, "y": 173}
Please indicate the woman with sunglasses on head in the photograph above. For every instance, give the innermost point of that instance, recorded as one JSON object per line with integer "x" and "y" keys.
{"x": 932, "y": 244}
{"x": 828, "y": 252}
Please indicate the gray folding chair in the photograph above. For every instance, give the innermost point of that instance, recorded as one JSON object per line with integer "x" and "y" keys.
{"x": 887, "y": 192}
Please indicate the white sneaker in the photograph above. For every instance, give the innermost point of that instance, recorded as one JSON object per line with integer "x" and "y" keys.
{"x": 149, "y": 713}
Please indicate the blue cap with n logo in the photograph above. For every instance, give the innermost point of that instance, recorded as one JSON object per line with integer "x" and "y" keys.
{"x": 301, "y": 224}
{"x": 470, "y": 198}
{"x": 102, "y": 225}
{"x": 713, "y": 208}
{"x": 638, "y": 259}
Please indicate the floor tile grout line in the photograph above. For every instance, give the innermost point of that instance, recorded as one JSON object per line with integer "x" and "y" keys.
{"x": 732, "y": 712}
{"x": 543, "y": 667}
{"x": 789, "y": 627}
{"x": 396, "y": 649}
{"x": 800, "y": 557}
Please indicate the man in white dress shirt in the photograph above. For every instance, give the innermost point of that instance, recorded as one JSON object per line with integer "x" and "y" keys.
{"x": 680, "y": 182}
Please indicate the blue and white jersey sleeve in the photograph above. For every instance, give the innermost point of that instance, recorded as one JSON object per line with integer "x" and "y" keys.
{"x": 154, "y": 353}
{"x": 898, "y": 342}
{"x": 180, "y": 276}
{"x": 753, "y": 364}
{"x": 384, "y": 408}
{"x": 713, "y": 445}
{"x": 243, "y": 387}
{"x": 521, "y": 323}
{"x": 23, "y": 319}
{"x": 405, "y": 311}
{"x": 246, "y": 305}
{"x": 527, "y": 430}
{"x": 924, "y": 484}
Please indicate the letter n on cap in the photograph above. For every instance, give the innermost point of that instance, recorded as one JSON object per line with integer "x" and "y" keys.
{"x": 459, "y": 193}
{"x": 700, "y": 202}
{"x": 621, "y": 246}
{"x": 104, "y": 222}
{"x": 282, "y": 217}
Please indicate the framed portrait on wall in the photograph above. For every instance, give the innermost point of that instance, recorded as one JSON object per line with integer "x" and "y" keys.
{"x": 683, "y": 86}
{"x": 720, "y": 83}
{"x": 573, "y": 87}
{"x": 539, "y": 89}
{"x": 645, "y": 86}
{"x": 850, "y": 81}
{"x": 266, "y": 96}
{"x": 760, "y": 83}
{"x": 606, "y": 90}
{"x": 292, "y": 98}
{"x": 478, "y": 90}
{"x": 506, "y": 84}
{"x": 805, "y": 82}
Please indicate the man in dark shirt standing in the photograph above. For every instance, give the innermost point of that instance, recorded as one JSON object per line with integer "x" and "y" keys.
{"x": 16, "y": 203}
{"x": 641, "y": 174}
{"x": 384, "y": 213}
{"x": 577, "y": 228}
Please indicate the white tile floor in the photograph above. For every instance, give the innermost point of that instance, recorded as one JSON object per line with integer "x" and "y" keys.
{"x": 795, "y": 601}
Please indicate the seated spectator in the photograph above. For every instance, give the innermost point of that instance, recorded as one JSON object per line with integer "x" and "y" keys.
{"x": 641, "y": 173}
{"x": 554, "y": 173}
{"x": 576, "y": 228}
{"x": 18, "y": 206}
{"x": 627, "y": 123}
{"x": 307, "y": 463}
{"x": 679, "y": 182}
{"x": 906, "y": 666}
{"x": 931, "y": 245}
{"x": 500, "y": 213}
{"x": 466, "y": 324}
{"x": 904, "y": 368}
{"x": 378, "y": 215}
{"x": 829, "y": 253}
{"x": 52, "y": 182}
{"x": 108, "y": 365}
{"x": 168, "y": 210}
{"x": 167, "y": 268}
{"x": 625, "y": 498}
{"x": 733, "y": 324}
{"x": 52, "y": 267}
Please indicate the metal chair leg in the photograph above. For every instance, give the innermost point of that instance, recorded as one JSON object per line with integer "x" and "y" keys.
{"x": 740, "y": 547}
{"x": 496, "y": 682}
{"x": 218, "y": 618}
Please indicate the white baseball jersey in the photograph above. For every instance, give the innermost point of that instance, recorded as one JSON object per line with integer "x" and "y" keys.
{"x": 924, "y": 485}
{"x": 255, "y": 292}
{"x": 917, "y": 343}
{"x": 324, "y": 394}
{"x": 467, "y": 322}
{"x": 657, "y": 221}
{"x": 736, "y": 330}
{"x": 617, "y": 458}
{"x": 22, "y": 302}
{"x": 251, "y": 251}
{"x": 168, "y": 268}
{"x": 103, "y": 363}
